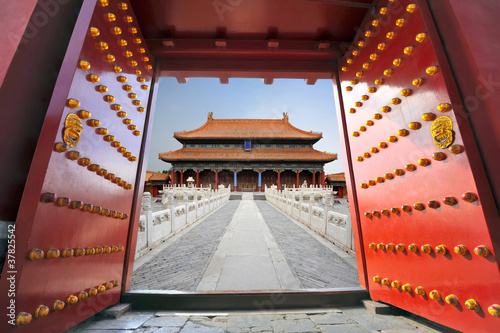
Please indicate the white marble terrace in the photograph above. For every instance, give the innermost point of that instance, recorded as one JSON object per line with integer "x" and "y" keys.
{"x": 313, "y": 206}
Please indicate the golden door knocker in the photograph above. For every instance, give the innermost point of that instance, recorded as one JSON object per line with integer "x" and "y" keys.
{"x": 72, "y": 130}
{"x": 442, "y": 132}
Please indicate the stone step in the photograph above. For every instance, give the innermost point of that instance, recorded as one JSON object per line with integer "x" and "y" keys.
{"x": 259, "y": 196}
{"x": 158, "y": 300}
{"x": 115, "y": 311}
{"x": 376, "y": 307}
{"x": 235, "y": 196}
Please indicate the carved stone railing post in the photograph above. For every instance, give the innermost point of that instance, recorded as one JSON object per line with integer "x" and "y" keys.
{"x": 312, "y": 200}
{"x": 301, "y": 199}
{"x": 171, "y": 204}
{"x": 206, "y": 205}
{"x": 195, "y": 200}
{"x": 327, "y": 206}
{"x": 147, "y": 210}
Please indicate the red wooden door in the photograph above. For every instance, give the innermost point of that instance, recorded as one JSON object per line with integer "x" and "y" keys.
{"x": 426, "y": 218}
{"x": 76, "y": 217}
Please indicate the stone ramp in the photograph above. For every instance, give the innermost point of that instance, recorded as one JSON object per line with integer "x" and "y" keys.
{"x": 246, "y": 195}
{"x": 248, "y": 257}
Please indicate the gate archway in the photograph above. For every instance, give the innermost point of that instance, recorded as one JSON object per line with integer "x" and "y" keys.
{"x": 394, "y": 78}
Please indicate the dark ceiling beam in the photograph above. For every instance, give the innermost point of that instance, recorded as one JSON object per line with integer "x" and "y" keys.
{"x": 348, "y": 3}
{"x": 307, "y": 70}
{"x": 243, "y": 49}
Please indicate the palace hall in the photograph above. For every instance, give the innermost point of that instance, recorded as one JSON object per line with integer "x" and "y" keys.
{"x": 247, "y": 154}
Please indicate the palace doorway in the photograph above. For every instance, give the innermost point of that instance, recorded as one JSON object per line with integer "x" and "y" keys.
{"x": 406, "y": 97}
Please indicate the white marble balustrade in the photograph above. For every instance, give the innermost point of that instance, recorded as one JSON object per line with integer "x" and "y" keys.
{"x": 315, "y": 208}
{"x": 183, "y": 206}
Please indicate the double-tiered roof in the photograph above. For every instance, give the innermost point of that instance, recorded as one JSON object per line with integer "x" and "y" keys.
{"x": 277, "y": 131}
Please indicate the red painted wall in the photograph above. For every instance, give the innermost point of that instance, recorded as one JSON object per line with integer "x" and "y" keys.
{"x": 15, "y": 18}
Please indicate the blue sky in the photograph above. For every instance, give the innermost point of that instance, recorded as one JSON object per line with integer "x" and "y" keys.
{"x": 185, "y": 107}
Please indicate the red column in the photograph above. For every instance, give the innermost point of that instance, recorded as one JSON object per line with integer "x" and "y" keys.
{"x": 279, "y": 180}
{"x": 197, "y": 177}
{"x": 314, "y": 178}
{"x": 155, "y": 191}
{"x": 323, "y": 178}
{"x": 341, "y": 192}
{"x": 216, "y": 178}
{"x": 182, "y": 176}
{"x": 297, "y": 182}
{"x": 172, "y": 178}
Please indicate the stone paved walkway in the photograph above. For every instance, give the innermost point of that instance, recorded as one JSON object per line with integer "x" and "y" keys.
{"x": 315, "y": 264}
{"x": 248, "y": 257}
{"x": 180, "y": 266}
{"x": 246, "y": 245}
{"x": 335, "y": 320}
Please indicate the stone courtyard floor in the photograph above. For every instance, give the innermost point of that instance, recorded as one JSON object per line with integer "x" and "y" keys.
{"x": 250, "y": 245}
{"x": 245, "y": 245}
{"x": 333, "y": 320}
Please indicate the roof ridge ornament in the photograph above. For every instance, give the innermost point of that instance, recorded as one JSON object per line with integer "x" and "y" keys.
{"x": 285, "y": 117}
{"x": 210, "y": 116}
